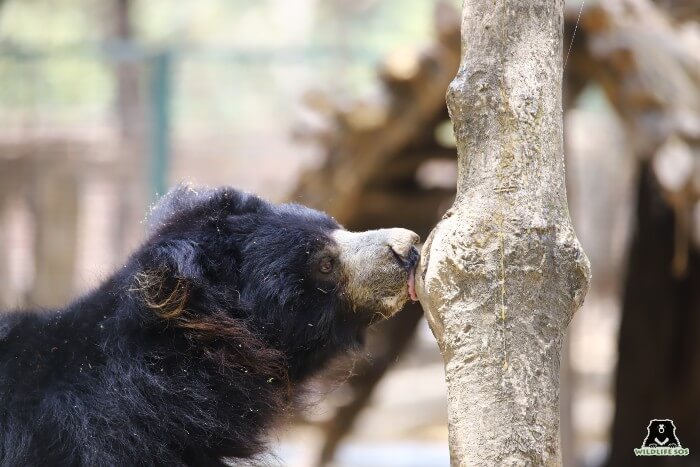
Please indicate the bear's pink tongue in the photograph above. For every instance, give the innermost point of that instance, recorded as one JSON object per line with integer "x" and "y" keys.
{"x": 412, "y": 285}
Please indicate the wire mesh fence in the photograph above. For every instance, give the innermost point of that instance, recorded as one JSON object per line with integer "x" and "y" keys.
{"x": 209, "y": 93}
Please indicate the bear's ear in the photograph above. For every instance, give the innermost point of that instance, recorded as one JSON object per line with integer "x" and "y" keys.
{"x": 180, "y": 258}
{"x": 168, "y": 277}
{"x": 180, "y": 198}
{"x": 186, "y": 197}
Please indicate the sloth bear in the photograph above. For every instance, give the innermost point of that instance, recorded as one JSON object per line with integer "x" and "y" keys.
{"x": 192, "y": 349}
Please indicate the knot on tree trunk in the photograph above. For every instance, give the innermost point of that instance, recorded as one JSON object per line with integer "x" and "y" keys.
{"x": 499, "y": 294}
{"x": 503, "y": 265}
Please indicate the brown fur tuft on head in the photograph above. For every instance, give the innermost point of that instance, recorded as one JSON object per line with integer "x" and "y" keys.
{"x": 152, "y": 287}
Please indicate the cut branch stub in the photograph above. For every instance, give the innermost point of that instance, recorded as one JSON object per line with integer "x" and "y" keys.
{"x": 503, "y": 272}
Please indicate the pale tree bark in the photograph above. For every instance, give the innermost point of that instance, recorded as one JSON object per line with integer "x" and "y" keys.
{"x": 503, "y": 272}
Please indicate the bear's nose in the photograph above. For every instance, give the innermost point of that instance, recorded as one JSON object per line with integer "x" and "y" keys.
{"x": 402, "y": 241}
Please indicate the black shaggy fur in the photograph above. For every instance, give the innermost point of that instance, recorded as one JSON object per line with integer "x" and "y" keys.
{"x": 188, "y": 351}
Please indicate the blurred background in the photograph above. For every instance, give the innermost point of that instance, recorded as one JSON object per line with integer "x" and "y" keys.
{"x": 339, "y": 104}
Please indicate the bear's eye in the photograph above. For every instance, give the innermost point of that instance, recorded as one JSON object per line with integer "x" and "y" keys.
{"x": 326, "y": 265}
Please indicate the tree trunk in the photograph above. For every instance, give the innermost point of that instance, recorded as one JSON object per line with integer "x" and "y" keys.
{"x": 659, "y": 342}
{"x": 128, "y": 92}
{"x": 503, "y": 272}
{"x": 130, "y": 113}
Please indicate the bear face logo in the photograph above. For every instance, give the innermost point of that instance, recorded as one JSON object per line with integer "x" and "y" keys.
{"x": 661, "y": 434}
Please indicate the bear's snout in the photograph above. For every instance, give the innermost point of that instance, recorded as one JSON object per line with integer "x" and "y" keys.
{"x": 379, "y": 266}
{"x": 402, "y": 242}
